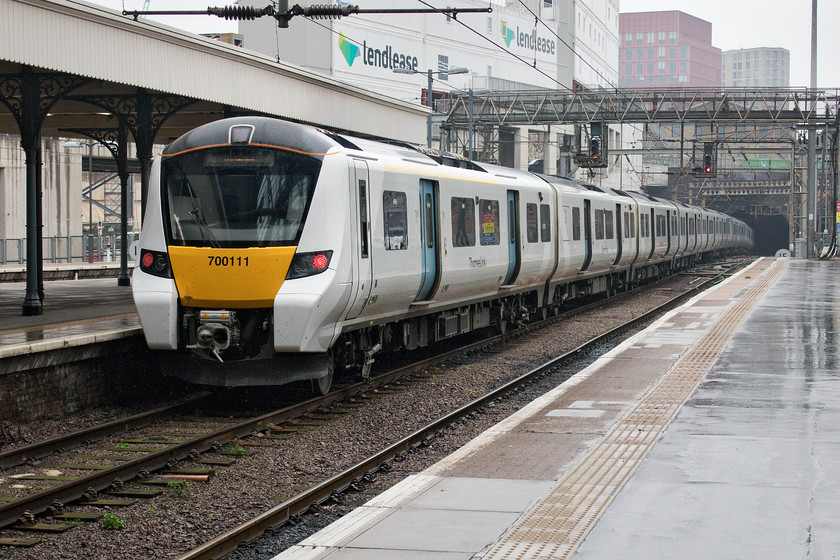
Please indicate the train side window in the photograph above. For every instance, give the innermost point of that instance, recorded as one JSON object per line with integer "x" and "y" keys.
{"x": 531, "y": 218}
{"x": 682, "y": 225}
{"x": 395, "y": 212}
{"x": 632, "y": 226}
{"x": 566, "y": 226}
{"x": 608, "y": 224}
{"x": 599, "y": 224}
{"x": 575, "y": 224}
{"x": 545, "y": 222}
{"x": 626, "y": 225}
{"x": 463, "y": 222}
{"x": 489, "y": 216}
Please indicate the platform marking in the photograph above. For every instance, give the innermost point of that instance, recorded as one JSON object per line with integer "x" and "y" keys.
{"x": 555, "y": 526}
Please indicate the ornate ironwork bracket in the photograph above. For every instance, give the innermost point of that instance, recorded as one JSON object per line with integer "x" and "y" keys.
{"x": 30, "y": 96}
{"x": 144, "y": 113}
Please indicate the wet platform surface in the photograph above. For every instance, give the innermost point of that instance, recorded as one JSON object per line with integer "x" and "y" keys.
{"x": 74, "y": 310}
{"x": 714, "y": 433}
{"x": 751, "y": 466}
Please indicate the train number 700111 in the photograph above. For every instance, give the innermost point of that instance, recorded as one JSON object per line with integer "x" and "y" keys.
{"x": 227, "y": 261}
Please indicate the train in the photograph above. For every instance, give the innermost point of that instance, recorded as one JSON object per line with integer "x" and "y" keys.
{"x": 273, "y": 252}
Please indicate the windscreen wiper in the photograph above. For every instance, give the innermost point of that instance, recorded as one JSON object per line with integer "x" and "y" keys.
{"x": 198, "y": 218}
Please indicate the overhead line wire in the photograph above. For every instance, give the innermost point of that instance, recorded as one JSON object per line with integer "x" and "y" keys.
{"x": 572, "y": 50}
{"x": 516, "y": 56}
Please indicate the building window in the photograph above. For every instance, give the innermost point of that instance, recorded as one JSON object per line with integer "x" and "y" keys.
{"x": 661, "y": 37}
{"x": 662, "y": 52}
{"x": 640, "y": 53}
{"x": 628, "y": 54}
{"x": 640, "y": 38}
{"x": 651, "y": 67}
{"x": 628, "y": 37}
{"x": 683, "y": 51}
{"x": 628, "y": 68}
{"x": 640, "y": 68}
{"x": 651, "y": 52}
{"x": 443, "y": 66}
{"x": 660, "y": 69}
{"x": 650, "y": 39}
{"x": 672, "y": 52}
{"x": 672, "y": 36}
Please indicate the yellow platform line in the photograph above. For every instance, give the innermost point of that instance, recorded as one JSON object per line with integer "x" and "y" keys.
{"x": 555, "y": 526}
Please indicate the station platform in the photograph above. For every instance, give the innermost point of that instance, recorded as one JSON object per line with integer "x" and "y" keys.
{"x": 76, "y": 313}
{"x": 714, "y": 433}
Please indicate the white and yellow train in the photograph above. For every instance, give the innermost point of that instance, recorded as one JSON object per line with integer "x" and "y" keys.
{"x": 280, "y": 252}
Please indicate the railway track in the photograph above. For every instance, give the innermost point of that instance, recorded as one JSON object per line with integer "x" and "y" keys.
{"x": 101, "y": 481}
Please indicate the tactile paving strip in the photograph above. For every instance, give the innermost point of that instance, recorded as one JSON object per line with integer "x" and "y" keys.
{"x": 557, "y": 525}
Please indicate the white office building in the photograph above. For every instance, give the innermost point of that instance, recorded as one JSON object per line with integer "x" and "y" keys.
{"x": 569, "y": 44}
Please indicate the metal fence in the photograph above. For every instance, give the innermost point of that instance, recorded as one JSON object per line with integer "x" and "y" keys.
{"x": 69, "y": 249}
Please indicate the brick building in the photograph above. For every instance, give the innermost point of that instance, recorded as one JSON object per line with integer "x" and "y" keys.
{"x": 667, "y": 50}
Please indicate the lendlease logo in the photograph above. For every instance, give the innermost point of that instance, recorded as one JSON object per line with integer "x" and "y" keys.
{"x": 507, "y": 34}
{"x": 530, "y": 41}
{"x": 382, "y": 58}
{"x": 348, "y": 49}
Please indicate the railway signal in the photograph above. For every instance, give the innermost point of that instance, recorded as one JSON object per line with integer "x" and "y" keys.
{"x": 596, "y": 156}
{"x": 708, "y": 169}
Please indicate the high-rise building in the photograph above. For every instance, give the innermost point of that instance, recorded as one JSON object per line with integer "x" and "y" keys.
{"x": 756, "y": 67}
{"x": 667, "y": 50}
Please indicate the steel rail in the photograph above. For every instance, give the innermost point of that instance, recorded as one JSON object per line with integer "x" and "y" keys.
{"x": 279, "y": 514}
{"x": 12, "y": 512}
{"x": 42, "y": 449}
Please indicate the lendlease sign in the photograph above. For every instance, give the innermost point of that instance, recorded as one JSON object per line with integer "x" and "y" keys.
{"x": 371, "y": 56}
{"x": 530, "y": 41}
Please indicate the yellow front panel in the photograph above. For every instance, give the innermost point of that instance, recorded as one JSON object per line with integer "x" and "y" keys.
{"x": 229, "y": 278}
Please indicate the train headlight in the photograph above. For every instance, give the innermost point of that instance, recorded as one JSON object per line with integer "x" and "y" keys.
{"x": 309, "y": 264}
{"x": 155, "y": 263}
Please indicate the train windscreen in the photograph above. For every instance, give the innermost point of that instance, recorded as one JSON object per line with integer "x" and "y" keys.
{"x": 237, "y": 196}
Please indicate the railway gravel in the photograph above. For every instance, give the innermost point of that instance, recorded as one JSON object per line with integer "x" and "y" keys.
{"x": 184, "y": 516}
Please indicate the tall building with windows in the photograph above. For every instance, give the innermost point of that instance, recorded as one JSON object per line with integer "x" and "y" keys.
{"x": 667, "y": 50}
{"x": 756, "y": 67}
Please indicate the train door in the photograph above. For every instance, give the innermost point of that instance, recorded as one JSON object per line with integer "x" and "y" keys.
{"x": 428, "y": 239}
{"x": 363, "y": 264}
{"x": 514, "y": 253}
{"x": 668, "y": 231}
{"x": 652, "y": 233}
{"x": 587, "y": 234}
{"x": 619, "y": 235}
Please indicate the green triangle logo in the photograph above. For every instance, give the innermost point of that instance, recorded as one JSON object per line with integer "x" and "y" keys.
{"x": 507, "y": 33}
{"x": 348, "y": 49}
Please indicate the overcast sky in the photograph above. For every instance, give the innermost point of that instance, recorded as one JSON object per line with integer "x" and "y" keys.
{"x": 735, "y": 24}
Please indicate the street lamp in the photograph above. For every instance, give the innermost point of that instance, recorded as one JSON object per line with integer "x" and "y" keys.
{"x": 429, "y": 102}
